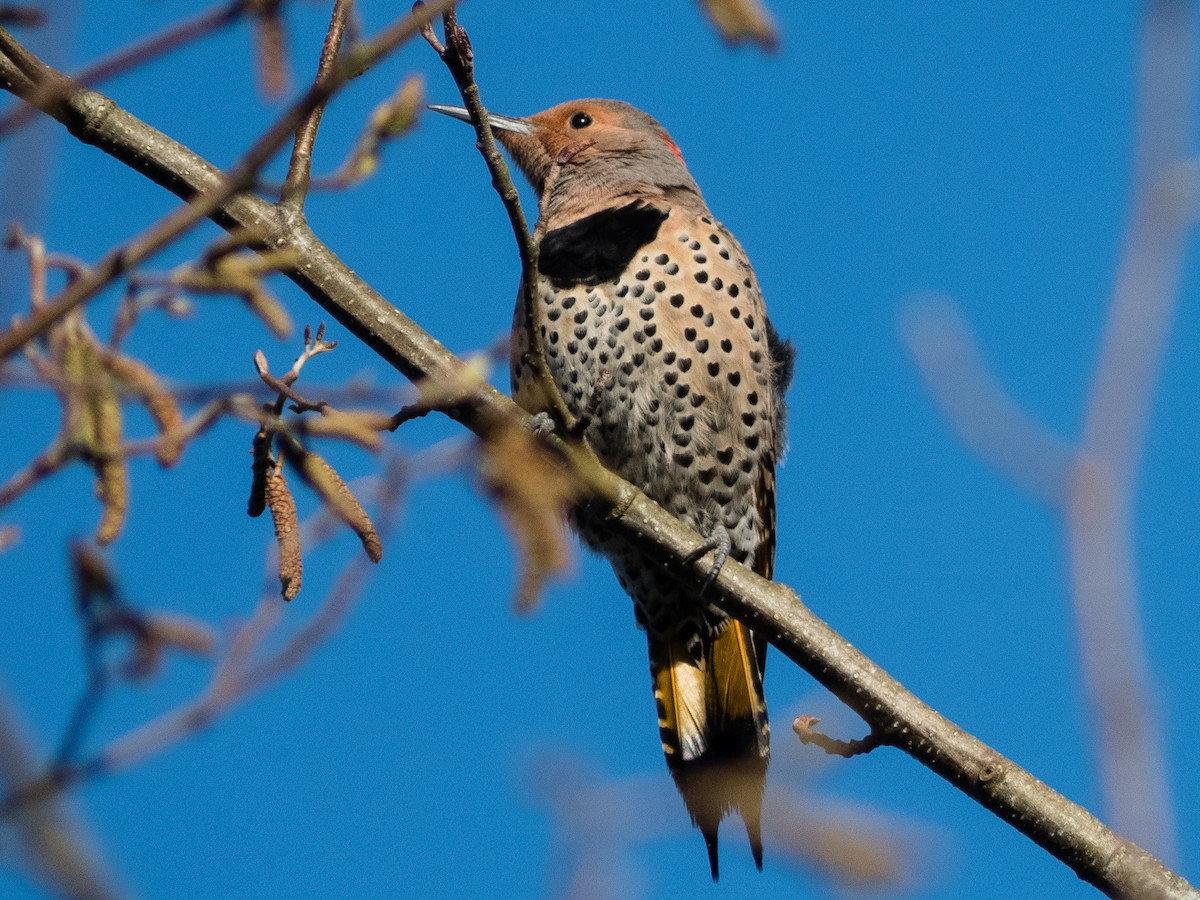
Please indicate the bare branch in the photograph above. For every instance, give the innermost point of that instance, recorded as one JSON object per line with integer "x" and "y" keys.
{"x": 806, "y": 729}
{"x": 299, "y": 173}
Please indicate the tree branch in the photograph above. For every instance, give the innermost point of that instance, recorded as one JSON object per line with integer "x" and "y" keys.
{"x": 1064, "y": 829}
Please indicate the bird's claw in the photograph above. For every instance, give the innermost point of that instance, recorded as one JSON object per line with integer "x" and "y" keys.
{"x": 720, "y": 542}
{"x": 541, "y": 425}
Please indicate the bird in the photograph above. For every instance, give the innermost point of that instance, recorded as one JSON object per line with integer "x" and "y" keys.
{"x": 652, "y": 325}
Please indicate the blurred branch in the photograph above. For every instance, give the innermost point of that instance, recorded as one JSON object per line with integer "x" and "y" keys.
{"x": 54, "y": 846}
{"x": 1066, "y": 830}
{"x": 977, "y": 407}
{"x": 1093, "y": 485}
{"x": 86, "y": 113}
{"x": 243, "y": 670}
{"x": 138, "y": 53}
{"x": 21, "y": 14}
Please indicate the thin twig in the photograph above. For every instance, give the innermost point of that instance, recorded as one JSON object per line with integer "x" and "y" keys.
{"x": 139, "y": 53}
{"x": 458, "y": 57}
{"x": 213, "y": 196}
{"x": 299, "y": 174}
{"x": 806, "y": 729}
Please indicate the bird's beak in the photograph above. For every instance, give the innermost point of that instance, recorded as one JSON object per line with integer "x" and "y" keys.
{"x": 498, "y": 123}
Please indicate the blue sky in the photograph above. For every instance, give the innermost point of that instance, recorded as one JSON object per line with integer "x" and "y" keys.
{"x": 981, "y": 151}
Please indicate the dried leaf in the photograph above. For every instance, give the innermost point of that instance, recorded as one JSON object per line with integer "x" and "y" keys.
{"x": 160, "y": 403}
{"x": 533, "y": 492}
{"x": 739, "y": 21}
{"x": 439, "y": 393}
{"x": 263, "y": 304}
{"x": 287, "y": 532}
{"x": 241, "y": 274}
{"x": 9, "y": 535}
{"x": 360, "y": 427}
{"x": 336, "y": 495}
{"x": 389, "y": 120}
{"x": 177, "y": 632}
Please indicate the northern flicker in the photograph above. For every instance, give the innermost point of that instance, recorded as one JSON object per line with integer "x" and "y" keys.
{"x": 648, "y": 309}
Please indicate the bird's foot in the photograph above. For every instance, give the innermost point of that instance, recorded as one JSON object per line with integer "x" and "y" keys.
{"x": 720, "y": 542}
{"x": 541, "y": 425}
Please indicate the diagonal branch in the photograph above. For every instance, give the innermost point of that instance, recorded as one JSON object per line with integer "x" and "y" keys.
{"x": 1064, "y": 829}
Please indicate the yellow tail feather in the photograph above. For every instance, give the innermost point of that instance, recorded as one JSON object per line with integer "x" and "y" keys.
{"x": 713, "y": 722}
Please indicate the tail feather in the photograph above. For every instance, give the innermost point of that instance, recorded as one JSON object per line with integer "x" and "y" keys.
{"x": 713, "y": 723}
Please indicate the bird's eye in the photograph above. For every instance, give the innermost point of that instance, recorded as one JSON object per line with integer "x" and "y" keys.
{"x": 581, "y": 120}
